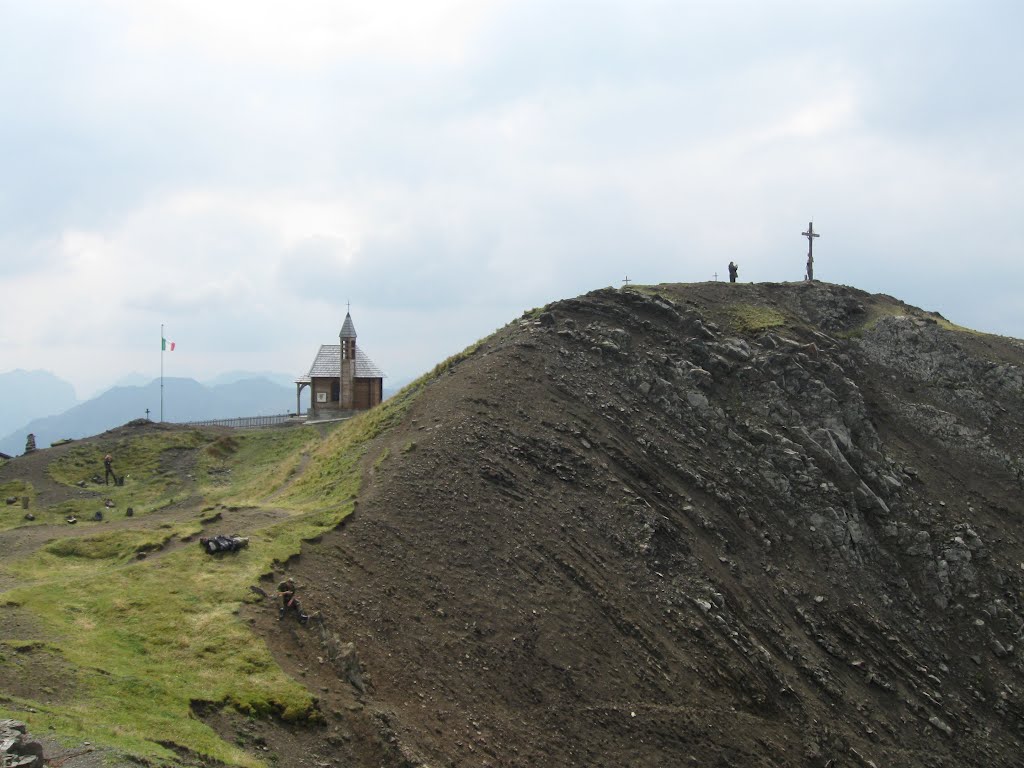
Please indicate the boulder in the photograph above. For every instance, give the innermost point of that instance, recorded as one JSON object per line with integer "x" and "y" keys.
{"x": 17, "y": 748}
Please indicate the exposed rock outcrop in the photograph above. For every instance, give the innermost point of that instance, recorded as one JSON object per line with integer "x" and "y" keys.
{"x": 17, "y": 748}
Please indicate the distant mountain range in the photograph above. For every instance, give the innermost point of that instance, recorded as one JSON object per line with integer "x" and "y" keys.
{"x": 184, "y": 400}
{"x": 282, "y": 379}
{"x": 42, "y": 404}
{"x": 26, "y": 395}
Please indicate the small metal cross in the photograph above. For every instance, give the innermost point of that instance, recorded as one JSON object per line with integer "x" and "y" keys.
{"x": 147, "y": 414}
{"x": 716, "y": 277}
{"x": 626, "y": 281}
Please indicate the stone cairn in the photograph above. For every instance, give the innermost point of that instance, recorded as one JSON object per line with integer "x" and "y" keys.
{"x": 30, "y": 443}
{"x": 17, "y": 748}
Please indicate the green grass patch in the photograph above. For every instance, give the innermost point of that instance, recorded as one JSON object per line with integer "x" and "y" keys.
{"x": 82, "y": 509}
{"x": 136, "y": 456}
{"x": 247, "y": 467}
{"x": 222, "y": 447}
{"x": 13, "y": 515}
{"x": 116, "y": 545}
{"x": 147, "y": 637}
{"x": 17, "y": 488}
{"x": 148, "y": 462}
{"x": 949, "y": 326}
{"x": 748, "y": 318}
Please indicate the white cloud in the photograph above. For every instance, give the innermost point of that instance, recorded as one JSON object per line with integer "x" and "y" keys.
{"x": 240, "y": 171}
{"x": 311, "y": 34}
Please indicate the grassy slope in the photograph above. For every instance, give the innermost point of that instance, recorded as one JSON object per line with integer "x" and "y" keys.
{"x": 147, "y": 637}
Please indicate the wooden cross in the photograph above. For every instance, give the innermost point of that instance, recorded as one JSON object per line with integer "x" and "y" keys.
{"x": 716, "y": 277}
{"x": 810, "y": 234}
{"x": 626, "y": 281}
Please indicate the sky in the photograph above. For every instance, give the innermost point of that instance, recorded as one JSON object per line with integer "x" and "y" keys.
{"x": 238, "y": 172}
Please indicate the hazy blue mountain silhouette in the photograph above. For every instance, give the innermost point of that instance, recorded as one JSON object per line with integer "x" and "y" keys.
{"x": 184, "y": 400}
{"x": 27, "y": 395}
{"x": 275, "y": 377}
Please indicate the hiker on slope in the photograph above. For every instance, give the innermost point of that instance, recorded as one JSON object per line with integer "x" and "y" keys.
{"x": 289, "y": 601}
{"x": 108, "y": 466}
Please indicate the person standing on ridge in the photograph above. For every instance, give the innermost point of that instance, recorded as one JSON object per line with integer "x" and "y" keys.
{"x": 734, "y": 272}
{"x": 108, "y": 466}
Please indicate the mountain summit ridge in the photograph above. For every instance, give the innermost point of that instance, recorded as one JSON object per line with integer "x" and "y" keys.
{"x": 707, "y": 524}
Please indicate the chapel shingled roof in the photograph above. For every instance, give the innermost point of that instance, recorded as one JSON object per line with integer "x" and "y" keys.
{"x": 328, "y": 364}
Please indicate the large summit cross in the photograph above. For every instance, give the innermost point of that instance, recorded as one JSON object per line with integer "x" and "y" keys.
{"x": 810, "y": 234}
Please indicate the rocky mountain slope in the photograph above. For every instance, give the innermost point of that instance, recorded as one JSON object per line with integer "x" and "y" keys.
{"x": 759, "y": 525}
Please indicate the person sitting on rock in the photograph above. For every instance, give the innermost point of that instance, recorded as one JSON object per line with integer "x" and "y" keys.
{"x": 290, "y": 601}
{"x": 221, "y": 543}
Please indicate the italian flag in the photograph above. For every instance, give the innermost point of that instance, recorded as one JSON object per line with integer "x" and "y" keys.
{"x": 166, "y": 345}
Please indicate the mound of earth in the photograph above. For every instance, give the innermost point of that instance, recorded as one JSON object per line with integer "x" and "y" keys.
{"x": 714, "y": 524}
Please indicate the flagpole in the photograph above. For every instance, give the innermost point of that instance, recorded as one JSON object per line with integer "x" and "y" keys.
{"x": 161, "y": 372}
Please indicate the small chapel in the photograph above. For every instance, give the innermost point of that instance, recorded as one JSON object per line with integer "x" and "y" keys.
{"x": 342, "y": 378}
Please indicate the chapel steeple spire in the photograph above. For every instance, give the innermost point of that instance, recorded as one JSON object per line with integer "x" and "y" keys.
{"x": 347, "y": 337}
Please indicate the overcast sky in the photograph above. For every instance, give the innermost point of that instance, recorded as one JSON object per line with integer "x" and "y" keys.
{"x": 240, "y": 170}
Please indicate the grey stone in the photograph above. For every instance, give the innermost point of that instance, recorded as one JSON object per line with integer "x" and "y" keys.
{"x": 940, "y": 725}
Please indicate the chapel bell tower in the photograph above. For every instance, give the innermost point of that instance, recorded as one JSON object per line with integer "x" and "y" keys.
{"x": 347, "y": 336}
